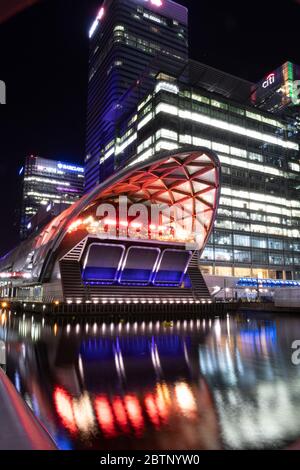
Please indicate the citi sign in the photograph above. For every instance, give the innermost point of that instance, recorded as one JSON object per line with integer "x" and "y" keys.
{"x": 270, "y": 80}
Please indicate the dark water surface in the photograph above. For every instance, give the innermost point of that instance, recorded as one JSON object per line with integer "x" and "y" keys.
{"x": 196, "y": 384}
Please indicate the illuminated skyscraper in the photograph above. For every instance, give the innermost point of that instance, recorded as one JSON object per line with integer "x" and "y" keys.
{"x": 131, "y": 41}
{"x": 48, "y": 186}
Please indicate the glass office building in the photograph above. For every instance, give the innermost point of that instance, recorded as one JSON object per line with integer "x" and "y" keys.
{"x": 48, "y": 183}
{"x": 257, "y": 231}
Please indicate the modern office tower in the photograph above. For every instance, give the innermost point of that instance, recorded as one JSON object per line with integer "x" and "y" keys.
{"x": 130, "y": 41}
{"x": 48, "y": 186}
{"x": 257, "y": 230}
{"x": 279, "y": 90}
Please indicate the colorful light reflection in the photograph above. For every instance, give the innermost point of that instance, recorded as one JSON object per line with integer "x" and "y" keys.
{"x": 105, "y": 416}
{"x": 119, "y": 415}
{"x": 63, "y": 405}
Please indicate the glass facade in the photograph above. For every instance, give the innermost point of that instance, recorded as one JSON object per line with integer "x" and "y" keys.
{"x": 130, "y": 40}
{"x": 257, "y": 230}
{"x": 47, "y": 182}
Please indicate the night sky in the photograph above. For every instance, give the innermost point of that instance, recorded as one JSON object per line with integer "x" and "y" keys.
{"x": 44, "y": 57}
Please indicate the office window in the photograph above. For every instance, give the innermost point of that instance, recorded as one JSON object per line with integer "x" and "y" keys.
{"x": 224, "y": 212}
{"x": 260, "y": 273}
{"x": 273, "y": 220}
{"x": 238, "y": 152}
{"x": 208, "y": 253}
{"x": 240, "y": 215}
{"x": 220, "y": 147}
{"x": 255, "y": 116}
{"x": 259, "y": 257}
{"x": 256, "y": 157}
{"x": 259, "y": 229}
{"x": 224, "y": 224}
{"x": 206, "y": 270}
{"x": 294, "y": 166}
{"x": 225, "y": 201}
{"x": 258, "y": 217}
{"x": 276, "y": 259}
{"x": 241, "y": 227}
{"x": 222, "y": 254}
{"x": 241, "y": 256}
{"x": 223, "y": 238}
{"x": 226, "y": 170}
{"x": 233, "y": 109}
{"x": 201, "y": 142}
{"x": 223, "y": 271}
{"x": 202, "y": 99}
{"x": 275, "y": 244}
{"x": 242, "y": 272}
{"x": 219, "y": 105}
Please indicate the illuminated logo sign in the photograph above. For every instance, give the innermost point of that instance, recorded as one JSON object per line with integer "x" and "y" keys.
{"x": 296, "y": 92}
{"x": 270, "y": 80}
{"x": 96, "y": 22}
{"x": 63, "y": 166}
{"x": 2, "y": 92}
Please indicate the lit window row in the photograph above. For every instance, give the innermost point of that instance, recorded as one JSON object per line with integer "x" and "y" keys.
{"x": 260, "y": 197}
{"x": 226, "y": 107}
{"x": 167, "y": 86}
{"x": 256, "y": 228}
{"x": 218, "y": 147}
{"x": 225, "y": 238}
{"x": 145, "y": 121}
{"x": 217, "y": 123}
{"x": 45, "y": 180}
{"x": 248, "y": 257}
{"x": 144, "y": 145}
{"x": 265, "y": 208}
{"x": 251, "y": 166}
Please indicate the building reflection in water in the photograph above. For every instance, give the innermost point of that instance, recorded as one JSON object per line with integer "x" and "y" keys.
{"x": 202, "y": 384}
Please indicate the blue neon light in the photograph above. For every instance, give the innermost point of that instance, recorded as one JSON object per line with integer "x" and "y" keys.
{"x": 135, "y": 277}
{"x": 99, "y": 274}
{"x": 254, "y": 282}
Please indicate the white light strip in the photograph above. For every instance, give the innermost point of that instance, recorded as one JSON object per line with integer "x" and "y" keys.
{"x": 145, "y": 121}
{"x": 96, "y": 22}
{"x": 93, "y": 28}
{"x": 251, "y": 166}
{"x": 259, "y": 197}
{"x": 46, "y": 180}
{"x": 107, "y": 155}
{"x": 201, "y": 118}
{"x": 167, "y": 86}
{"x": 121, "y": 148}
